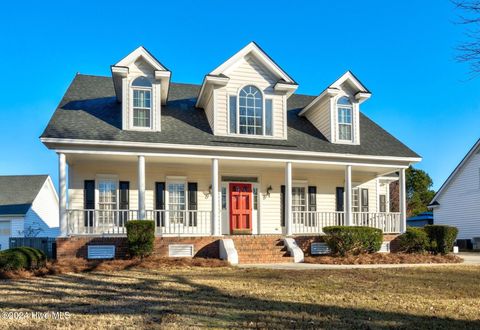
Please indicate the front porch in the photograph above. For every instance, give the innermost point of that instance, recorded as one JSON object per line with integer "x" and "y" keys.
{"x": 203, "y": 196}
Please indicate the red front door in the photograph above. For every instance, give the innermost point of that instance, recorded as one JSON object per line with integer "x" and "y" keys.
{"x": 240, "y": 208}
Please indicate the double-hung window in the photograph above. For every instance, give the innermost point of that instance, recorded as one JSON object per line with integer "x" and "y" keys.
{"x": 142, "y": 102}
{"x": 252, "y": 115}
{"x": 176, "y": 202}
{"x": 299, "y": 204}
{"x": 344, "y": 109}
{"x": 107, "y": 199}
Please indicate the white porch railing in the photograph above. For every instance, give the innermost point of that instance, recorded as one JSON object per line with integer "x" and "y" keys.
{"x": 312, "y": 222}
{"x": 112, "y": 222}
{"x": 388, "y": 222}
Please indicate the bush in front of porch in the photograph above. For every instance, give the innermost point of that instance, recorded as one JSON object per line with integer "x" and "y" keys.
{"x": 140, "y": 237}
{"x": 354, "y": 240}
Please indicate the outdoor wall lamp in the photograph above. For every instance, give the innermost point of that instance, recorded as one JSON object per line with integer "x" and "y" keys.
{"x": 269, "y": 190}
{"x": 209, "y": 192}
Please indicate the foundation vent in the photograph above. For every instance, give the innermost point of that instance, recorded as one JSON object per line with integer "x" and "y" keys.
{"x": 319, "y": 248}
{"x": 180, "y": 250}
{"x": 385, "y": 248}
{"x": 101, "y": 252}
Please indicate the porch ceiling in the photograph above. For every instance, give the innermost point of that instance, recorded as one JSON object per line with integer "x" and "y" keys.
{"x": 247, "y": 165}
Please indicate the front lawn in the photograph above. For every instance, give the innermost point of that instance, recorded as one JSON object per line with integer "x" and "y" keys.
{"x": 440, "y": 297}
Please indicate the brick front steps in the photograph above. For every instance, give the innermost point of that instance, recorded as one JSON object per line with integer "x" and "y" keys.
{"x": 260, "y": 249}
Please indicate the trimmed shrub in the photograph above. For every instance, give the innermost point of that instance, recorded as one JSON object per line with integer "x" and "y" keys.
{"x": 26, "y": 258}
{"x": 414, "y": 240}
{"x": 441, "y": 237}
{"x": 140, "y": 237}
{"x": 345, "y": 240}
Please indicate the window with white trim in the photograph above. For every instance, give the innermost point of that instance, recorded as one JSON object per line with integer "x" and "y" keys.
{"x": 299, "y": 204}
{"x": 142, "y": 102}
{"x": 345, "y": 127}
{"x": 250, "y": 113}
{"x": 177, "y": 201}
{"x": 107, "y": 199}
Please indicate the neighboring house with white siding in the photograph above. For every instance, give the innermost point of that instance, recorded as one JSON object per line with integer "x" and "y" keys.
{"x": 239, "y": 154}
{"x": 28, "y": 207}
{"x": 457, "y": 202}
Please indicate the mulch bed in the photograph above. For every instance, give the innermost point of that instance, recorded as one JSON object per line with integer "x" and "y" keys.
{"x": 384, "y": 258}
{"x": 78, "y": 265}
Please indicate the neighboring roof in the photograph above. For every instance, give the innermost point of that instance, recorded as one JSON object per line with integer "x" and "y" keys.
{"x": 422, "y": 216}
{"x": 465, "y": 159}
{"x": 89, "y": 111}
{"x": 17, "y": 193}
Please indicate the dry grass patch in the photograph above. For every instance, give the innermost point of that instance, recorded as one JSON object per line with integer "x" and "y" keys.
{"x": 227, "y": 297}
{"x": 78, "y": 265}
{"x": 384, "y": 258}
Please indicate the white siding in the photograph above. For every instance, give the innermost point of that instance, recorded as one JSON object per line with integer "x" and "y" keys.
{"x": 460, "y": 200}
{"x": 320, "y": 118}
{"x": 249, "y": 71}
{"x": 35, "y": 224}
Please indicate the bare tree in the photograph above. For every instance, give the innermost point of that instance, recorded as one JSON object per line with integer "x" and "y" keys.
{"x": 470, "y": 49}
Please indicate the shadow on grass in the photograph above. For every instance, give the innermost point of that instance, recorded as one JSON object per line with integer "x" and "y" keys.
{"x": 159, "y": 295}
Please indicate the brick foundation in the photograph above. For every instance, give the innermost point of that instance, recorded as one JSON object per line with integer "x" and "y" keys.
{"x": 76, "y": 246}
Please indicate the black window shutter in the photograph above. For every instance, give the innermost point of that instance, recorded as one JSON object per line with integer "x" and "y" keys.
{"x": 339, "y": 199}
{"x": 364, "y": 200}
{"x": 124, "y": 202}
{"x": 282, "y": 205}
{"x": 312, "y": 198}
{"x": 89, "y": 202}
{"x": 312, "y": 205}
{"x": 192, "y": 203}
{"x": 160, "y": 203}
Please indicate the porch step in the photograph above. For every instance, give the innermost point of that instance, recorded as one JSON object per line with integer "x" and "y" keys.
{"x": 253, "y": 249}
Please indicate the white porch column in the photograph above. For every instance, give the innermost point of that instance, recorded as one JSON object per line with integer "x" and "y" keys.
{"x": 288, "y": 199}
{"x": 348, "y": 196}
{"x": 215, "y": 211}
{"x": 141, "y": 187}
{"x": 62, "y": 186}
{"x": 403, "y": 201}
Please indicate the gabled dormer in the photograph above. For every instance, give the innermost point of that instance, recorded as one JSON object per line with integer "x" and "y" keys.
{"x": 336, "y": 111}
{"x": 141, "y": 84}
{"x": 247, "y": 96}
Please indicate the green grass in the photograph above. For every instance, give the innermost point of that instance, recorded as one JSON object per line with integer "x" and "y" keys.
{"x": 195, "y": 297}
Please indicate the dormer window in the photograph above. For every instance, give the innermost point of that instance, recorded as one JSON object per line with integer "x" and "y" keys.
{"x": 255, "y": 115}
{"x": 142, "y": 102}
{"x": 344, "y": 109}
{"x": 251, "y": 111}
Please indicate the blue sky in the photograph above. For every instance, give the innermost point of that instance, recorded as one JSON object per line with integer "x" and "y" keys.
{"x": 403, "y": 51}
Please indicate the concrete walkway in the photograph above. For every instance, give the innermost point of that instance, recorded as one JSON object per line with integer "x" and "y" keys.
{"x": 469, "y": 258}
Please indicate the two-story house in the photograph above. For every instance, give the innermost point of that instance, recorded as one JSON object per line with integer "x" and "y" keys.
{"x": 240, "y": 154}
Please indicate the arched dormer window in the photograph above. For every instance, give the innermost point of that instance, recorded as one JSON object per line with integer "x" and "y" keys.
{"x": 250, "y": 102}
{"x": 344, "y": 110}
{"x": 142, "y": 102}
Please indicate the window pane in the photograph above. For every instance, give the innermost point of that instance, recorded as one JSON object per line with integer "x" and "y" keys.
{"x": 141, "y": 117}
{"x": 255, "y": 198}
{"x": 345, "y": 132}
{"x": 233, "y": 114}
{"x": 268, "y": 117}
{"x": 142, "y": 82}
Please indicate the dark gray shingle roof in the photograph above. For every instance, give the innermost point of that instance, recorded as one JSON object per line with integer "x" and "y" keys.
{"x": 89, "y": 110}
{"x": 17, "y": 192}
